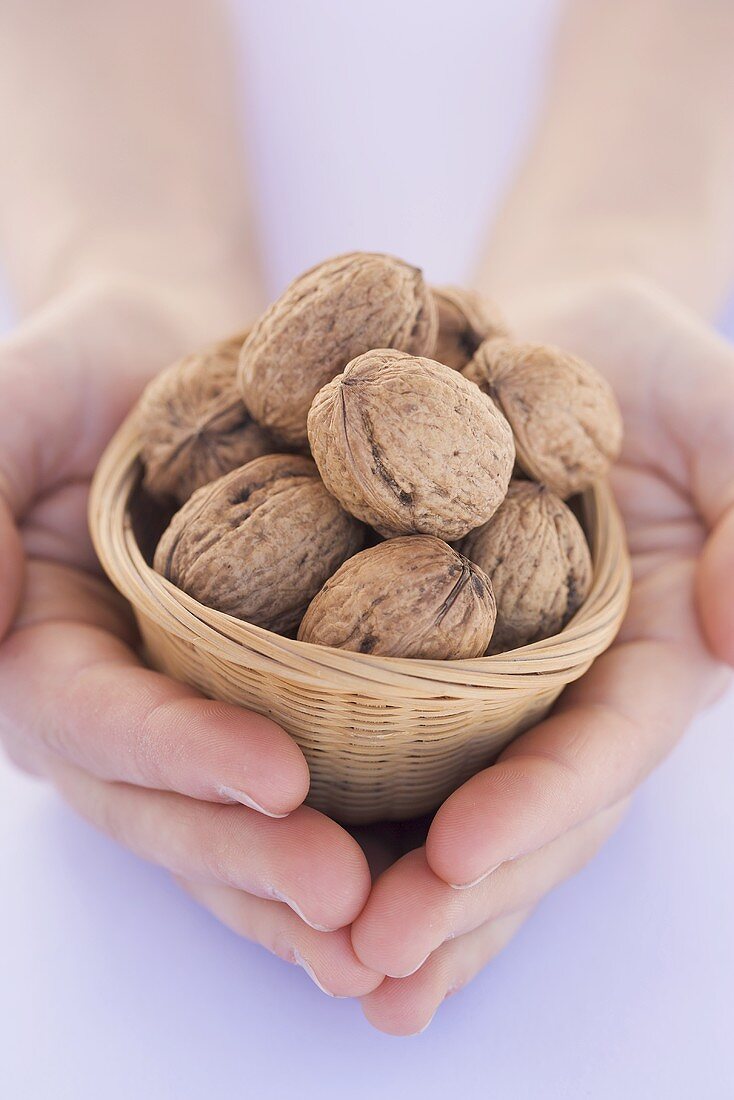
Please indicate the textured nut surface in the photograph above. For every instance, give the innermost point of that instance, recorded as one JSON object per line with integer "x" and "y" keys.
{"x": 329, "y": 315}
{"x": 410, "y": 446}
{"x": 565, "y": 418}
{"x": 259, "y": 542}
{"x": 538, "y": 560}
{"x": 465, "y": 320}
{"x": 194, "y": 425}
{"x": 409, "y": 597}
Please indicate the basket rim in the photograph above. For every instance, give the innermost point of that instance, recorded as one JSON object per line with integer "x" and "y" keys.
{"x": 552, "y": 661}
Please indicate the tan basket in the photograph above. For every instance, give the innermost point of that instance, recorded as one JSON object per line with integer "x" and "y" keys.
{"x": 384, "y": 737}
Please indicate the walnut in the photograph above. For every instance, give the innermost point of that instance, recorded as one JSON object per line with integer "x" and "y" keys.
{"x": 409, "y": 597}
{"x": 564, "y": 416}
{"x": 194, "y": 425}
{"x": 259, "y": 542}
{"x": 325, "y": 318}
{"x": 537, "y": 557}
{"x": 410, "y": 446}
{"x": 465, "y": 320}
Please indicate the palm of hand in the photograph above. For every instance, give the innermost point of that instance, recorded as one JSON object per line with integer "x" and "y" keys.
{"x": 539, "y": 813}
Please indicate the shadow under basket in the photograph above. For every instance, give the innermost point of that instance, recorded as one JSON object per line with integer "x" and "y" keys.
{"x": 385, "y": 738}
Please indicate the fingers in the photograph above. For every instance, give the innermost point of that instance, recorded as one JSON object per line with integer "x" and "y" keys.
{"x": 70, "y": 688}
{"x": 327, "y": 957}
{"x": 307, "y": 861}
{"x": 55, "y": 528}
{"x": 61, "y": 593}
{"x": 610, "y": 730}
{"x": 70, "y": 374}
{"x": 411, "y": 912}
{"x": 78, "y": 693}
{"x": 716, "y": 588}
{"x": 406, "y": 1006}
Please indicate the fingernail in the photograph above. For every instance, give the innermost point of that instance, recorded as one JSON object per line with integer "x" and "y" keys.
{"x": 425, "y": 1026}
{"x": 276, "y": 895}
{"x": 240, "y": 796}
{"x": 468, "y": 885}
{"x": 298, "y": 957}
{"x": 409, "y": 973}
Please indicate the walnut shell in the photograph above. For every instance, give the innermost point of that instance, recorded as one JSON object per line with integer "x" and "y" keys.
{"x": 410, "y": 446}
{"x": 537, "y": 557}
{"x": 465, "y": 320}
{"x": 259, "y": 542}
{"x": 565, "y": 418}
{"x": 409, "y": 597}
{"x": 325, "y": 318}
{"x": 194, "y": 425}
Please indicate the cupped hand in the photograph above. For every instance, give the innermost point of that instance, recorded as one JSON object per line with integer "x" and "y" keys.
{"x": 208, "y": 790}
{"x": 439, "y": 912}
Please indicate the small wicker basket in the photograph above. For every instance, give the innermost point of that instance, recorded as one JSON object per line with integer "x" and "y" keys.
{"x": 385, "y": 738}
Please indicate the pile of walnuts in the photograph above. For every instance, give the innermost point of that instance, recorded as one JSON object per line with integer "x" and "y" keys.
{"x": 378, "y": 465}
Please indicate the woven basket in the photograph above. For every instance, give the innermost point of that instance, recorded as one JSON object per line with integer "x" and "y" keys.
{"x": 385, "y": 738}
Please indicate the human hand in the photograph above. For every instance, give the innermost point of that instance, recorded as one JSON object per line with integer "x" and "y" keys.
{"x": 515, "y": 830}
{"x": 189, "y": 783}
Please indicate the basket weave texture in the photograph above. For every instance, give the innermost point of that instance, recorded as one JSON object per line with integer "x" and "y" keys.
{"x": 385, "y": 738}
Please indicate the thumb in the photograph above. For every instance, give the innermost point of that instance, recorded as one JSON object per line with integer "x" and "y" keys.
{"x": 629, "y": 329}
{"x": 68, "y": 376}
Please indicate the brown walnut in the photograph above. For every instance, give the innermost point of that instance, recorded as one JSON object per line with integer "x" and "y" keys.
{"x": 194, "y": 425}
{"x": 410, "y": 446}
{"x": 465, "y": 320}
{"x": 325, "y": 318}
{"x": 564, "y": 416}
{"x": 409, "y": 597}
{"x": 536, "y": 554}
{"x": 260, "y": 542}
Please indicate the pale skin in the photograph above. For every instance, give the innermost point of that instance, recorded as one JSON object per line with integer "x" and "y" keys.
{"x": 118, "y": 270}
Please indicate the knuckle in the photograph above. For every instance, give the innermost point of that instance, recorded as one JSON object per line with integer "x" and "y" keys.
{"x": 152, "y": 747}
{"x": 221, "y": 848}
{"x": 282, "y": 946}
{"x": 160, "y": 744}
